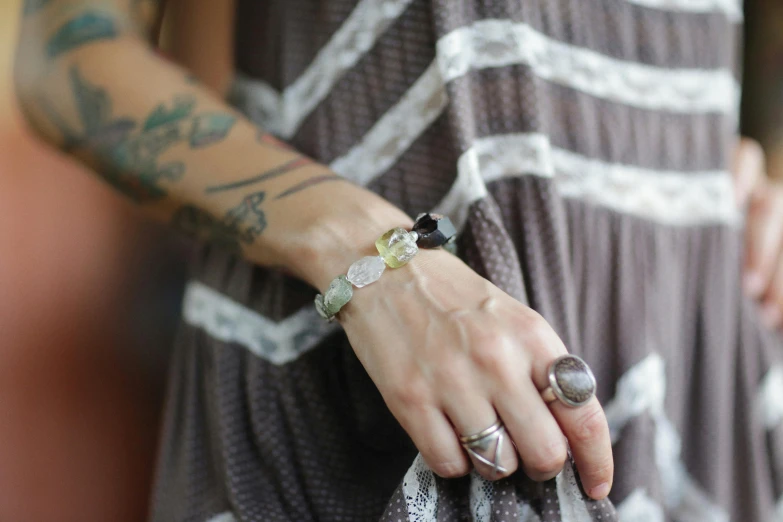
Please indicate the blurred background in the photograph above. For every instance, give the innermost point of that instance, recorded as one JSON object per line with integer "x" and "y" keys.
{"x": 88, "y": 302}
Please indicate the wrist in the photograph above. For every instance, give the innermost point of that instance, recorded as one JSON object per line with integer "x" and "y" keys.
{"x": 328, "y": 245}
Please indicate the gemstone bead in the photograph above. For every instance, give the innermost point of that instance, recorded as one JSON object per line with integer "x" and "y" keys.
{"x": 320, "y": 308}
{"x": 338, "y": 294}
{"x": 573, "y": 379}
{"x": 396, "y": 247}
{"x": 434, "y": 230}
{"x": 366, "y": 270}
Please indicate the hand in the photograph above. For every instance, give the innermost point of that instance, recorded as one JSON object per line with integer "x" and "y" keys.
{"x": 763, "y": 271}
{"x": 450, "y": 353}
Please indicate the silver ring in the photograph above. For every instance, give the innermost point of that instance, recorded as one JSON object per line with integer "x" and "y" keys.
{"x": 570, "y": 381}
{"x": 482, "y": 441}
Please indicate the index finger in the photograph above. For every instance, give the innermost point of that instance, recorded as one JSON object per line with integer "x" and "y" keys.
{"x": 587, "y": 432}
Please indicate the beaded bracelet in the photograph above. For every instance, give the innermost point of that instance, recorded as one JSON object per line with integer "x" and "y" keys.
{"x": 395, "y": 248}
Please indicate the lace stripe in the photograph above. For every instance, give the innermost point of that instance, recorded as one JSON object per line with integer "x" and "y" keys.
{"x": 731, "y": 8}
{"x": 283, "y": 113}
{"x": 670, "y": 197}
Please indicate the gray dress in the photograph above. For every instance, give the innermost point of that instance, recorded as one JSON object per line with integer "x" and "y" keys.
{"x": 582, "y": 146}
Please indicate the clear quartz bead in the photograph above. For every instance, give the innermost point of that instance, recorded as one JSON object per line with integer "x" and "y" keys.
{"x": 366, "y": 270}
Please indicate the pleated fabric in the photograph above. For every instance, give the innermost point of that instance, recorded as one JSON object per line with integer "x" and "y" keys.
{"x": 582, "y": 147}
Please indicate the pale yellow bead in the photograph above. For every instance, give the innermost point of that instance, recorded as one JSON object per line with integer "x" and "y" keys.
{"x": 397, "y": 247}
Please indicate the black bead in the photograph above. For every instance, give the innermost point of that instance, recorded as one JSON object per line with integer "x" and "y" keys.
{"x": 434, "y": 230}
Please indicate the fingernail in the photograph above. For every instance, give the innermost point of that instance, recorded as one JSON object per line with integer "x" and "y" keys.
{"x": 600, "y": 491}
{"x": 771, "y": 315}
{"x": 754, "y": 284}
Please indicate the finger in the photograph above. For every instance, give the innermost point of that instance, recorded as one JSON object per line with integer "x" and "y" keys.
{"x": 748, "y": 169}
{"x": 435, "y": 439}
{"x": 772, "y": 302}
{"x": 588, "y": 435}
{"x": 536, "y": 434}
{"x": 587, "y": 432}
{"x": 470, "y": 414}
{"x": 763, "y": 243}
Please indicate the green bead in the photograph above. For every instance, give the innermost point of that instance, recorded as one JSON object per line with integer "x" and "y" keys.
{"x": 397, "y": 247}
{"x": 319, "y": 307}
{"x": 340, "y": 291}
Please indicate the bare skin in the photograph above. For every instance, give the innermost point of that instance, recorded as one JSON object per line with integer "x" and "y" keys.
{"x": 448, "y": 359}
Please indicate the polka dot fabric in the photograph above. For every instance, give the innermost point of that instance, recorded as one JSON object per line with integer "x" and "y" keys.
{"x": 655, "y": 307}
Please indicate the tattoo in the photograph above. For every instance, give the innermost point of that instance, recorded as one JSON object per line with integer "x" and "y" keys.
{"x": 129, "y": 153}
{"x": 32, "y": 6}
{"x": 180, "y": 109}
{"x": 285, "y": 168}
{"x": 317, "y": 180}
{"x": 240, "y": 226}
{"x": 210, "y": 128}
{"x": 88, "y": 27}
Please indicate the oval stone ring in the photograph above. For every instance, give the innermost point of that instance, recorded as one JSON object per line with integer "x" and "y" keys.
{"x": 570, "y": 381}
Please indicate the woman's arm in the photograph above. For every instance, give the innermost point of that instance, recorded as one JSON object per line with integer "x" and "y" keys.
{"x": 89, "y": 83}
{"x": 449, "y": 351}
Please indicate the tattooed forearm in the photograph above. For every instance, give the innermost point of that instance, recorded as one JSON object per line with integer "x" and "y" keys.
{"x": 88, "y": 27}
{"x": 285, "y": 168}
{"x": 317, "y": 180}
{"x": 130, "y": 153}
{"x": 239, "y": 227}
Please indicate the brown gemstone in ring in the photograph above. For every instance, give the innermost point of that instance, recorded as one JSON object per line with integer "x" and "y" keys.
{"x": 572, "y": 380}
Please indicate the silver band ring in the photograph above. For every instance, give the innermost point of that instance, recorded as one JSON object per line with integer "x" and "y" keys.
{"x": 482, "y": 441}
{"x": 570, "y": 381}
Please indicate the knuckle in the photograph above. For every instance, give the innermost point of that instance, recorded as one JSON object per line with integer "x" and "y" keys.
{"x": 540, "y": 337}
{"x": 752, "y": 148}
{"x": 548, "y": 460}
{"x": 491, "y": 354}
{"x": 590, "y": 426}
{"x": 450, "y": 375}
{"x": 411, "y": 393}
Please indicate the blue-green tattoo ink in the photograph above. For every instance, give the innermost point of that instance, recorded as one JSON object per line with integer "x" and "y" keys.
{"x": 210, "y": 128}
{"x": 181, "y": 109}
{"x": 86, "y": 28}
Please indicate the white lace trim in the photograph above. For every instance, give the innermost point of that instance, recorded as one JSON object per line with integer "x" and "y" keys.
{"x": 572, "y": 505}
{"x": 421, "y": 492}
{"x": 229, "y": 321}
{"x": 639, "y": 507}
{"x": 731, "y": 8}
{"x": 499, "y": 43}
{"x": 223, "y": 517}
{"x": 643, "y": 389}
{"x": 670, "y": 197}
{"x": 674, "y": 198}
{"x": 396, "y": 130}
{"x": 284, "y": 113}
{"x": 482, "y": 492}
{"x": 770, "y": 398}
